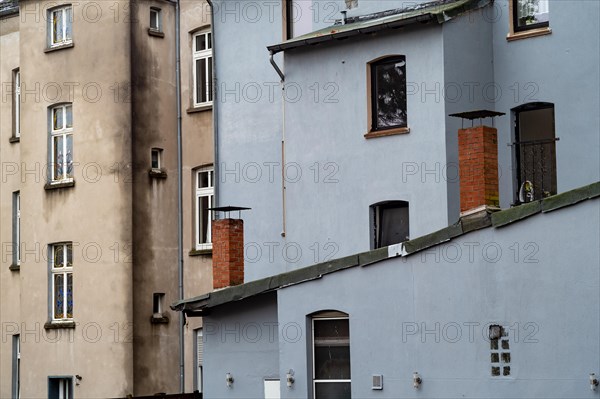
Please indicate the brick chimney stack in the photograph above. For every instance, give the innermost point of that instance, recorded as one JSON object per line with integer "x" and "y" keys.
{"x": 478, "y": 168}
{"x": 228, "y": 252}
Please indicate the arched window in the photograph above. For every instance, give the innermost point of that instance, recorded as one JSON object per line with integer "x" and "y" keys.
{"x": 331, "y": 355}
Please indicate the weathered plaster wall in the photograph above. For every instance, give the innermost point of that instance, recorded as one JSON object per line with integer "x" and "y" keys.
{"x": 523, "y": 276}
{"x": 241, "y": 338}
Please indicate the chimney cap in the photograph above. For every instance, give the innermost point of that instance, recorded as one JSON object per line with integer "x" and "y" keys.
{"x": 478, "y": 114}
{"x": 228, "y": 209}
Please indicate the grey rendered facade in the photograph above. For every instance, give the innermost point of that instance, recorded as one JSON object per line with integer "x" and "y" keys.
{"x": 464, "y": 64}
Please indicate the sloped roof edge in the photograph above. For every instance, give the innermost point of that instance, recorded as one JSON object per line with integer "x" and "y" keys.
{"x": 198, "y": 305}
{"x": 438, "y": 10}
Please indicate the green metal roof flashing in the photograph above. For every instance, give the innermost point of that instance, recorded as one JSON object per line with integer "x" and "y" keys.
{"x": 467, "y": 224}
{"x": 440, "y": 11}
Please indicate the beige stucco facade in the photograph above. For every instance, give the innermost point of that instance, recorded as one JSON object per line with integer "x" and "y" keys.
{"x": 120, "y": 219}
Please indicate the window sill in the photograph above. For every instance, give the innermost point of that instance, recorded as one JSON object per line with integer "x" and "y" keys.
{"x": 528, "y": 33}
{"x": 389, "y": 132}
{"x": 155, "y": 33}
{"x": 159, "y": 319}
{"x": 60, "y": 47}
{"x": 14, "y": 268}
{"x": 200, "y": 108}
{"x": 55, "y": 325}
{"x": 199, "y": 252}
{"x": 158, "y": 173}
{"x": 58, "y": 185}
{"x": 14, "y": 139}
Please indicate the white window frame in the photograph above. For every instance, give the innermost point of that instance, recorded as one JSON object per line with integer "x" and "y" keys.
{"x": 65, "y": 271}
{"x": 158, "y": 152}
{"x": 65, "y": 387}
{"x": 314, "y": 380}
{"x": 206, "y": 57}
{"x": 17, "y": 102}
{"x": 204, "y": 192}
{"x": 67, "y": 22}
{"x": 65, "y": 132}
{"x": 17, "y": 216}
{"x": 156, "y": 16}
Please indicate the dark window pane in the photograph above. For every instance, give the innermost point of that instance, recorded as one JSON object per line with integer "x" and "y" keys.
{"x": 332, "y": 362}
{"x": 393, "y": 225}
{"x": 202, "y": 77}
{"x": 203, "y": 179}
{"x": 209, "y": 35}
{"x": 199, "y": 80}
{"x": 200, "y": 42}
{"x": 332, "y": 349}
{"x": 389, "y": 85}
{"x": 209, "y": 79}
{"x": 332, "y": 390}
{"x": 203, "y": 219}
{"x": 155, "y": 164}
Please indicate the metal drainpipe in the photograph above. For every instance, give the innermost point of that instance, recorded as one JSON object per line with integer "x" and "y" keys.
{"x": 283, "y": 188}
{"x": 215, "y": 109}
{"x": 179, "y": 196}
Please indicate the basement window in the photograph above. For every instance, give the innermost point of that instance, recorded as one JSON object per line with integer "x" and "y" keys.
{"x": 389, "y": 223}
{"x": 499, "y": 351}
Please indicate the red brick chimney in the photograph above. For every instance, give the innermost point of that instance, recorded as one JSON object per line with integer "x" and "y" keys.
{"x": 228, "y": 252}
{"x": 478, "y": 168}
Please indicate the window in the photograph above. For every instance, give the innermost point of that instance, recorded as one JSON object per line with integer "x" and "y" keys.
{"x": 156, "y": 155}
{"x": 298, "y": 18}
{"x": 17, "y": 103}
{"x": 534, "y": 152}
{"x": 199, "y": 355}
{"x": 155, "y": 19}
{"x": 528, "y": 18}
{"x": 202, "y": 58}
{"x": 157, "y": 304}
{"x": 16, "y": 367}
{"x": 204, "y": 200}
{"x": 60, "y": 387}
{"x": 61, "y": 271}
{"x": 390, "y": 223}
{"x": 60, "y": 26}
{"x": 500, "y": 351}
{"x": 331, "y": 355}
{"x": 16, "y": 228}
{"x": 61, "y": 147}
{"x": 387, "y": 91}
{"x": 530, "y": 14}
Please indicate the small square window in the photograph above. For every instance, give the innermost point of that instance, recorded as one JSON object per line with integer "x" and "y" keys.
{"x": 156, "y": 162}
{"x": 390, "y": 223}
{"x": 495, "y": 358}
{"x": 495, "y": 371}
{"x": 157, "y": 304}
{"x": 155, "y": 19}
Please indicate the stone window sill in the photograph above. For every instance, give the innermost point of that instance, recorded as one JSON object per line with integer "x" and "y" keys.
{"x": 528, "y": 33}
{"x": 163, "y": 319}
{"x": 389, "y": 132}
{"x": 199, "y": 252}
{"x": 193, "y": 110}
{"x": 58, "y": 185}
{"x": 158, "y": 173}
{"x": 155, "y": 33}
{"x": 55, "y": 325}
{"x": 14, "y": 139}
{"x": 14, "y": 268}
{"x": 61, "y": 47}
